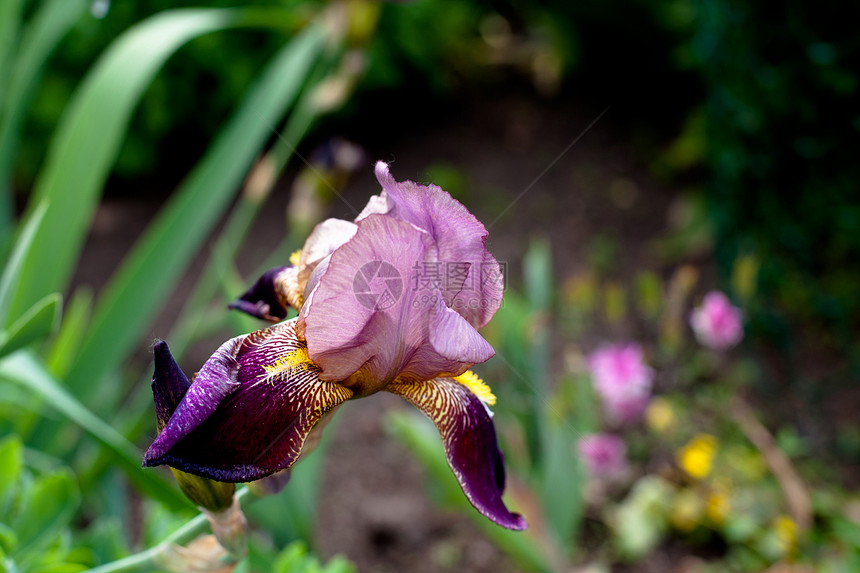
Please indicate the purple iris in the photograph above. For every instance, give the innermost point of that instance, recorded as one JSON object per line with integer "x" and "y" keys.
{"x": 391, "y": 301}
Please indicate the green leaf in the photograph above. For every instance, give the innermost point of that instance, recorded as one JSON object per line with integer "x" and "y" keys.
{"x": 64, "y": 347}
{"x": 149, "y": 274}
{"x": 61, "y": 568}
{"x": 11, "y": 462}
{"x": 10, "y": 22}
{"x": 537, "y": 274}
{"x": 12, "y": 269}
{"x": 8, "y": 540}
{"x": 50, "y": 24}
{"x": 52, "y": 501}
{"x": 24, "y": 369}
{"x": 291, "y": 559}
{"x": 35, "y": 324}
{"x": 562, "y": 494}
{"x": 90, "y": 134}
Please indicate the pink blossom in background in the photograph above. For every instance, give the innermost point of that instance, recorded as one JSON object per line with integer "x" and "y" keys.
{"x": 605, "y": 455}
{"x": 622, "y": 380}
{"x": 717, "y": 323}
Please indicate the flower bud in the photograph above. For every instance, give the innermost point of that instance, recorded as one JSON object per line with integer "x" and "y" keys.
{"x": 209, "y": 494}
{"x": 169, "y": 385}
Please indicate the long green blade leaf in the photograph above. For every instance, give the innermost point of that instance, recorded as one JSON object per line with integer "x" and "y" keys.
{"x": 37, "y": 42}
{"x": 12, "y": 270}
{"x": 151, "y": 271}
{"x": 37, "y": 323}
{"x": 10, "y": 21}
{"x": 89, "y": 136}
{"x": 24, "y": 369}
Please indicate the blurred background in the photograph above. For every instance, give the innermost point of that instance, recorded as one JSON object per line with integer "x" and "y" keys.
{"x": 627, "y": 157}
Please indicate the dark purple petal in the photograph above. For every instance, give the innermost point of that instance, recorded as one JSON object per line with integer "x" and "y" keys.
{"x": 169, "y": 384}
{"x": 271, "y": 295}
{"x": 366, "y": 325}
{"x": 473, "y": 282}
{"x": 249, "y": 410}
{"x": 470, "y": 443}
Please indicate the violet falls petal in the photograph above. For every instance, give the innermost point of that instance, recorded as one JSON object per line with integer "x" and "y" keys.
{"x": 260, "y": 424}
{"x": 470, "y": 443}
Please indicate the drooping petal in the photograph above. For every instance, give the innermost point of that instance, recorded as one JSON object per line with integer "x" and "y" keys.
{"x": 470, "y": 278}
{"x": 454, "y": 347}
{"x": 249, "y": 410}
{"x": 169, "y": 384}
{"x": 454, "y": 338}
{"x": 271, "y": 295}
{"x": 470, "y": 443}
{"x": 364, "y": 323}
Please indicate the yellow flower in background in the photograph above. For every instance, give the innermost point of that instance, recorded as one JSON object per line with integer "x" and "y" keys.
{"x": 786, "y": 534}
{"x": 660, "y": 417}
{"x": 697, "y": 456}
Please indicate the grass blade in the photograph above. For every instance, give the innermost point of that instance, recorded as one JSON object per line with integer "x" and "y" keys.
{"x": 89, "y": 138}
{"x": 12, "y": 270}
{"x": 10, "y": 22}
{"x": 37, "y": 41}
{"x": 37, "y": 323}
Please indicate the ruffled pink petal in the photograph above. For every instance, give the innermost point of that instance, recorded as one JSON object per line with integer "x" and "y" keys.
{"x": 364, "y": 322}
{"x": 470, "y": 278}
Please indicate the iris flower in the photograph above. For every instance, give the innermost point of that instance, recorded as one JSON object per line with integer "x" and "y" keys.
{"x": 390, "y": 302}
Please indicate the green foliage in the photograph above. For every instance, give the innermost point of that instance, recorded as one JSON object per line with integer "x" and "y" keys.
{"x": 79, "y": 158}
{"x": 782, "y": 85}
{"x": 37, "y": 509}
{"x": 295, "y": 558}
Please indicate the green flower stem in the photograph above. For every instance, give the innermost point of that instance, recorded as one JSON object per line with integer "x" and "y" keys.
{"x": 148, "y": 559}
